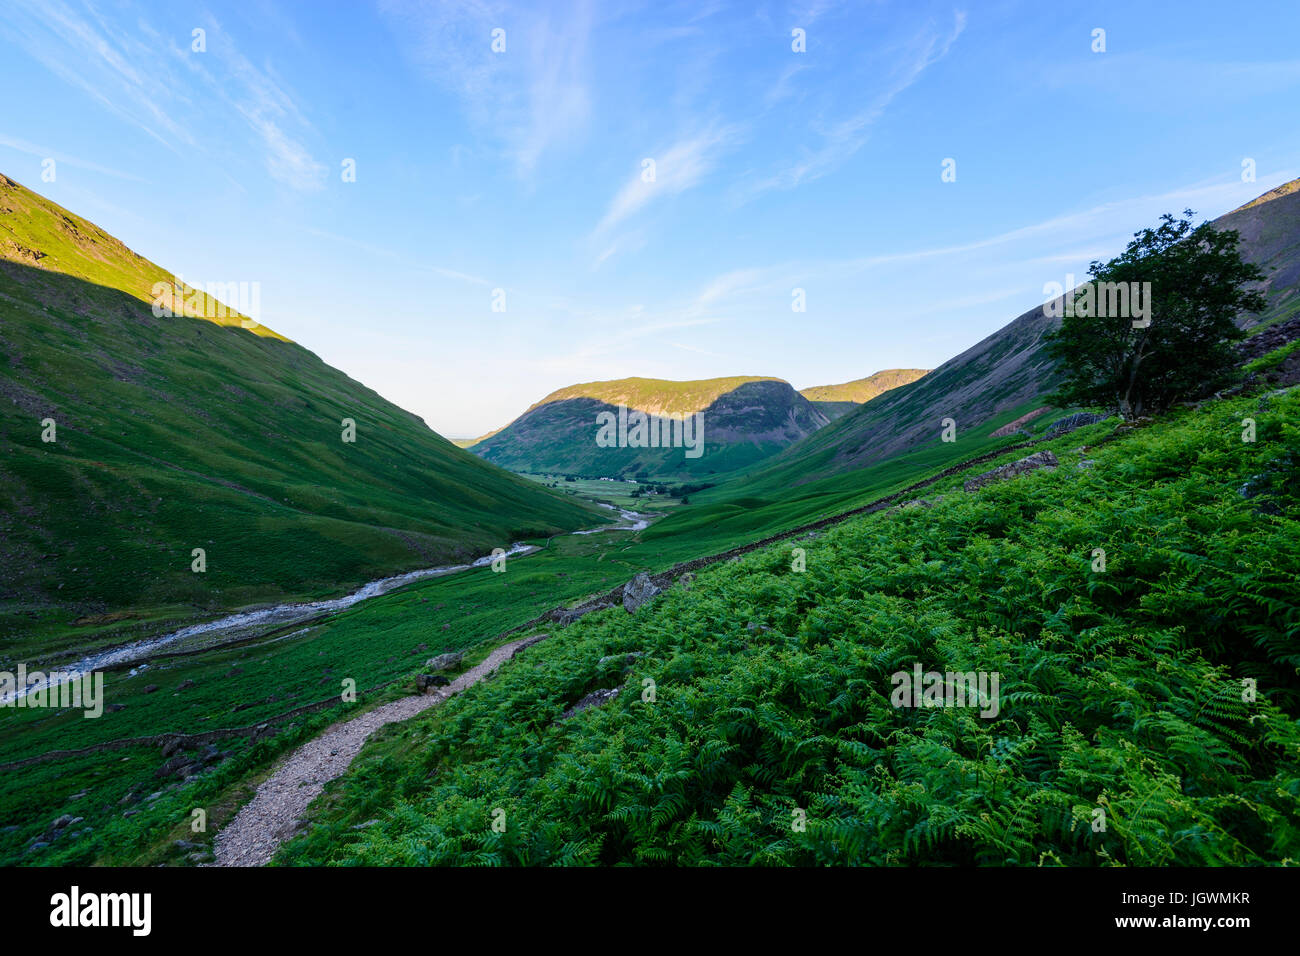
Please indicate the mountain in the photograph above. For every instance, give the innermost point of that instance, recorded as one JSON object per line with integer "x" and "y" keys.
{"x": 838, "y": 400}
{"x": 1270, "y": 236}
{"x": 743, "y": 420}
{"x": 1008, "y": 370}
{"x": 184, "y": 432}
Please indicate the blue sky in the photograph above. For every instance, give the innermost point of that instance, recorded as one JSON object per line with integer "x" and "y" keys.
{"x": 522, "y": 170}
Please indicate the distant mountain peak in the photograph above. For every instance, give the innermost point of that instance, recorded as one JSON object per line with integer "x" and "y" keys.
{"x": 745, "y": 419}
{"x": 863, "y": 390}
{"x": 656, "y": 396}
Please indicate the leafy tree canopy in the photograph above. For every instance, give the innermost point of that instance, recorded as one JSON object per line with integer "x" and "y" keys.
{"x": 1157, "y": 323}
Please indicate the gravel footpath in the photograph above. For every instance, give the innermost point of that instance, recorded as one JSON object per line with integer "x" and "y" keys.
{"x": 277, "y": 809}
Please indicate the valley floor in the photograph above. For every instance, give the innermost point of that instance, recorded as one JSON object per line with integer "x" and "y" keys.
{"x": 769, "y": 688}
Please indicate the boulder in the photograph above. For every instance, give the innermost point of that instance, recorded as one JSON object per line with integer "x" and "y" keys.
{"x": 1070, "y": 422}
{"x": 181, "y": 765}
{"x": 627, "y": 660}
{"x": 594, "y": 699}
{"x": 444, "y": 662}
{"x": 919, "y": 503}
{"x": 426, "y": 683}
{"x": 637, "y": 591}
{"x": 565, "y": 616}
{"x": 1041, "y": 459}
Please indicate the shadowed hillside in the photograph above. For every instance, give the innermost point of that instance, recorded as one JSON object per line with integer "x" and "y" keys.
{"x": 176, "y": 433}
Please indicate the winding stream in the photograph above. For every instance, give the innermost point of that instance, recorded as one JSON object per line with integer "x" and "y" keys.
{"x": 246, "y": 623}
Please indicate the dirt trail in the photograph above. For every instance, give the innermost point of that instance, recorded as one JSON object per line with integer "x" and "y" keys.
{"x": 270, "y": 818}
{"x": 273, "y": 815}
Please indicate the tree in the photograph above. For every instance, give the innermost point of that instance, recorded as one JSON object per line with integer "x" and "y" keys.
{"x": 1156, "y": 324}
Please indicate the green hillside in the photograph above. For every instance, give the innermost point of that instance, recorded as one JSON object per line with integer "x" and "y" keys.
{"x": 1270, "y": 236}
{"x": 863, "y": 389}
{"x": 744, "y": 420}
{"x": 1120, "y": 689}
{"x": 656, "y": 396}
{"x": 176, "y": 433}
{"x": 836, "y": 401}
{"x": 834, "y": 410}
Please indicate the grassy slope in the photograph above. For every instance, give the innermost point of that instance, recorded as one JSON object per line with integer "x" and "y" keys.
{"x": 1120, "y": 690}
{"x": 863, "y": 389}
{"x": 1270, "y": 232}
{"x": 976, "y": 389}
{"x": 834, "y": 410}
{"x": 744, "y": 421}
{"x": 177, "y": 433}
{"x": 380, "y": 640}
{"x": 750, "y": 504}
{"x": 654, "y": 395}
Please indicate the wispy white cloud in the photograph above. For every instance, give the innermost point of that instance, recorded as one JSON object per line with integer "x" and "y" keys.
{"x": 459, "y": 276}
{"x": 624, "y": 243}
{"x": 98, "y": 59}
{"x": 121, "y": 69}
{"x": 842, "y": 138}
{"x": 529, "y": 98}
{"x": 44, "y": 152}
{"x": 725, "y": 285}
{"x": 558, "y": 103}
{"x": 682, "y": 165}
{"x": 782, "y": 89}
{"x": 1145, "y": 77}
{"x": 691, "y": 348}
{"x": 266, "y": 105}
{"x": 1100, "y": 220}
{"x": 809, "y": 12}
{"x": 375, "y": 250}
